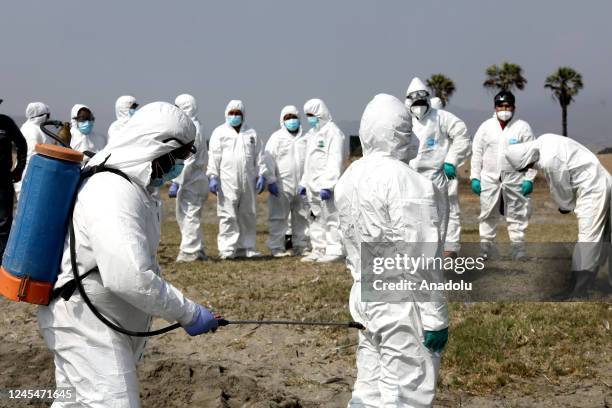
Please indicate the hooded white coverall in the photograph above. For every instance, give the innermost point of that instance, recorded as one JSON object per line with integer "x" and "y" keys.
{"x": 325, "y": 153}
{"x": 285, "y": 154}
{"x": 578, "y": 182}
{"x": 499, "y": 180}
{"x": 93, "y": 142}
{"x": 116, "y": 223}
{"x": 35, "y": 115}
{"x": 122, "y": 111}
{"x": 443, "y": 138}
{"x": 381, "y": 199}
{"x": 236, "y": 160}
{"x": 194, "y": 185}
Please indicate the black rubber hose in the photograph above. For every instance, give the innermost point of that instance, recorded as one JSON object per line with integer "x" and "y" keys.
{"x": 52, "y": 135}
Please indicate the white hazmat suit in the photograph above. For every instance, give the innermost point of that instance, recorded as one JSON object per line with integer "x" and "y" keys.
{"x": 381, "y": 199}
{"x": 285, "y": 154}
{"x": 193, "y": 190}
{"x": 578, "y": 182}
{"x": 325, "y": 153}
{"x": 499, "y": 181}
{"x": 122, "y": 111}
{"x": 236, "y": 160}
{"x": 443, "y": 138}
{"x": 116, "y": 223}
{"x": 93, "y": 142}
{"x": 36, "y": 114}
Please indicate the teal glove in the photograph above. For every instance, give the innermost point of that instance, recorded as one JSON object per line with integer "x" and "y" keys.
{"x": 527, "y": 188}
{"x": 450, "y": 171}
{"x": 476, "y": 186}
{"x": 436, "y": 340}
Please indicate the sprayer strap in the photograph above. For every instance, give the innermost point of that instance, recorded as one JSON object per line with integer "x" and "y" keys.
{"x": 67, "y": 290}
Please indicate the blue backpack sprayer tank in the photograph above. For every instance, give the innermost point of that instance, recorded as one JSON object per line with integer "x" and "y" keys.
{"x": 33, "y": 253}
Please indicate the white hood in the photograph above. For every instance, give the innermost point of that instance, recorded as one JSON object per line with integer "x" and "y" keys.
{"x": 318, "y": 108}
{"x": 416, "y": 85}
{"x": 34, "y": 111}
{"x": 286, "y": 110}
{"x": 235, "y": 104}
{"x": 386, "y": 127}
{"x": 141, "y": 140}
{"x": 187, "y": 103}
{"x": 73, "y": 113}
{"x": 122, "y": 107}
{"x": 523, "y": 154}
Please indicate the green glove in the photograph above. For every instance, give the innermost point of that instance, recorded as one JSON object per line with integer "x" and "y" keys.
{"x": 476, "y": 186}
{"x": 527, "y": 188}
{"x": 436, "y": 340}
{"x": 449, "y": 169}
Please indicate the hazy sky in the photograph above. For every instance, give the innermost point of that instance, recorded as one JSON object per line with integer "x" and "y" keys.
{"x": 273, "y": 53}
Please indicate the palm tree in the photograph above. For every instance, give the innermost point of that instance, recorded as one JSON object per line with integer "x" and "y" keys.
{"x": 505, "y": 78}
{"x": 565, "y": 83}
{"x": 441, "y": 86}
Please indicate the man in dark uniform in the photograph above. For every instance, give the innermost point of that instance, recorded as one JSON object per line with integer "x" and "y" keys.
{"x": 9, "y": 135}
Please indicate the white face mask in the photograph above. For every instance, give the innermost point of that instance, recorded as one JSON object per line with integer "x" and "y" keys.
{"x": 418, "y": 111}
{"x": 504, "y": 115}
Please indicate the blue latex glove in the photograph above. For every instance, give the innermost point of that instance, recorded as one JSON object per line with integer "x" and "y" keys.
{"x": 301, "y": 190}
{"x": 261, "y": 183}
{"x": 325, "y": 194}
{"x": 476, "y": 186}
{"x": 173, "y": 190}
{"x": 273, "y": 189}
{"x": 203, "y": 322}
{"x": 436, "y": 340}
{"x": 213, "y": 185}
{"x": 450, "y": 171}
{"x": 526, "y": 188}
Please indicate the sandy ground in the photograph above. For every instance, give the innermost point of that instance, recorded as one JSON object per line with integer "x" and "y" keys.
{"x": 280, "y": 366}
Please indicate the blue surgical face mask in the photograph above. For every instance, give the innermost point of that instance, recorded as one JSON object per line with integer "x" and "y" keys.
{"x": 292, "y": 124}
{"x": 234, "y": 120}
{"x": 132, "y": 111}
{"x": 313, "y": 121}
{"x": 173, "y": 173}
{"x": 85, "y": 127}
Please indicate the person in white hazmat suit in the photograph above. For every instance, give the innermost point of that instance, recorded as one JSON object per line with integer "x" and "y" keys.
{"x": 443, "y": 142}
{"x": 502, "y": 189}
{"x": 125, "y": 107}
{"x": 117, "y": 223}
{"x": 193, "y": 189}
{"x": 83, "y": 137}
{"x": 236, "y": 171}
{"x": 381, "y": 199}
{"x": 36, "y": 113}
{"x": 452, "y": 245}
{"x": 285, "y": 152}
{"x": 323, "y": 163}
{"x": 579, "y": 183}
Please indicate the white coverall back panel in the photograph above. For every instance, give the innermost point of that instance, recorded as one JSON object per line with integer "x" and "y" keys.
{"x": 32, "y": 133}
{"x": 122, "y": 112}
{"x": 577, "y": 182}
{"x": 381, "y": 199}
